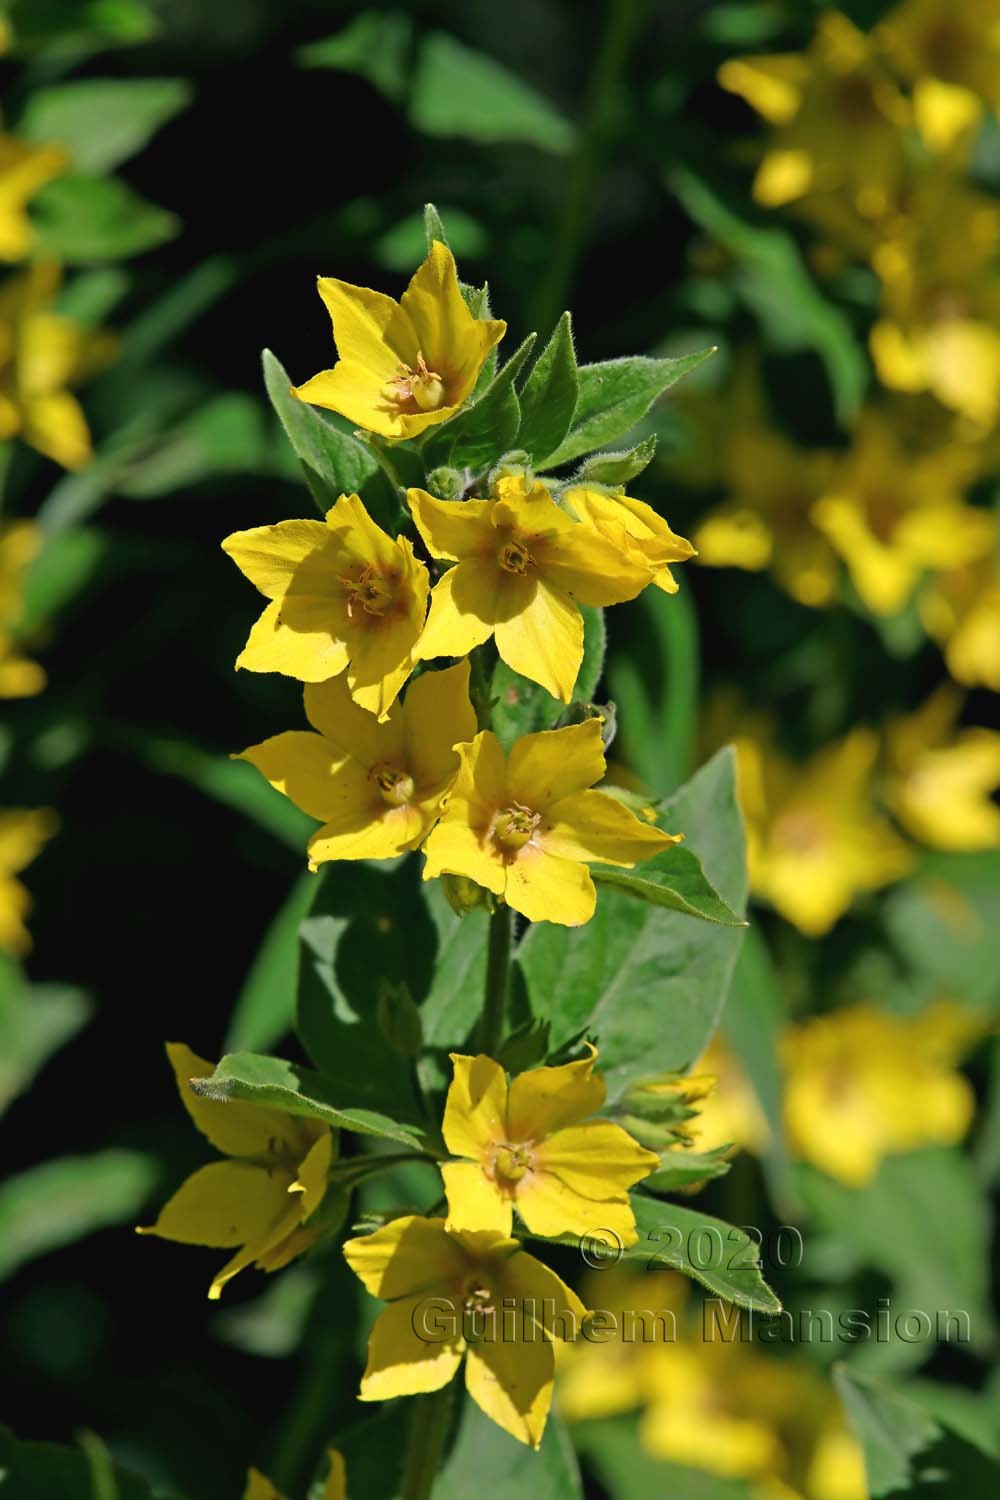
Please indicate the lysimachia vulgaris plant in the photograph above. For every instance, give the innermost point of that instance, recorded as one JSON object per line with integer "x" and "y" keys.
{"x": 510, "y": 958}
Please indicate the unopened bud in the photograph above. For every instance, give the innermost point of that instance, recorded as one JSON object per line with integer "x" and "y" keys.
{"x": 446, "y": 484}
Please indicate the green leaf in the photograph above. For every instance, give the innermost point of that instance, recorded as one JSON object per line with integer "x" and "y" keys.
{"x": 453, "y": 1003}
{"x": 404, "y": 244}
{"x": 482, "y": 1447}
{"x": 525, "y": 707}
{"x": 685, "y": 1169}
{"x": 945, "y": 924}
{"x": 35, "y": 1021}
{"x": 480, "y": 434}
{"x": 375, "y": 46}
{"x": 433, "y": 228}
{"x": 892, "y": 1430}
{"x": 228, "y": 434}
{"x": 548, "y": 399}
{"x": 773, "y": 282}
{"x": 720, "y": 1256}
{"x": 649, "y": 984}
{"x": 277, "y": 1084}
{"x": 652, "y": 676}
{"x": 616, "y": 469}
{"x": 368, "y": 926}
{"x": 627, "y": 1471}
{"x": 612, "y": 398}
{"x": 65, "y": 566}
{"x": 47, "y": 1471}
{"x": 673, "y": 879}
{"x": 103, "y": 121}
{"x": 265, "y": 1010}
{"x": 456, "y": 91}
{"x": 924, "y": 1224}
{"x": 334, "y": 463}
{"x": 83, "y": 219}
{"x": 61, "y": 1201}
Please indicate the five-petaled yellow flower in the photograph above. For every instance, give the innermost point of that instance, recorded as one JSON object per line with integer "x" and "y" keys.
{"x": 533, "y": 1146}
{"x": 262, "y": 1198}
{"x": 403, "y": 365}
{"x": 22, "y": 835}
{"x": 454, "y": 1293}
{"x": 524, "y": 827}
{"x": 522, "y": 564}
{"x": 375, "y": 786}
{"x": 345, "y": 597}
{"x": 647, "y": 537}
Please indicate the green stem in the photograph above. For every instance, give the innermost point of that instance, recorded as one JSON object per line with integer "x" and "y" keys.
{"x": 429, "y": 1424}
{"x": 491, "y": 1024}
{"x": 620, "y": 27}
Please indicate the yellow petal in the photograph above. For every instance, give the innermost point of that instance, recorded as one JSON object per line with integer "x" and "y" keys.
{"x": 548, "y": 766}
{"x": 544, "y": 888}
{"x": 301, "y": 766}
{"x": 465, "y": 604}
{"x": 591, "y": 568}
{"x": 406, "y": 1256}
{"x": 350, "y": 731}
{"x": 592, "y": 825}
{"x": 55, "y": 424}
{"x": 233, "y": 1127}
{"x": 23, "y": 835}
{"x": 224, "y": 1204}
{"x": 310, "y": 1181}
{"x": 474, "y": 1200}
{"x": 262, "y": 1252}
{"x": 437, "y": 715}
{"x": 452, "y": 341}
{"x": 547, "y": 1099}
{"x": 455, "y": 849}
{"x": 452, "y": 529}
{"x": 368, "y": 327}
{"x": 475, "y": 1109}
{"x": 383, "y": 833}
{"x": 336, "y": 1480}
{"x": 550, "y": 1207}
{"x": 259, "y": 1487}
{"x": 544, "y": 640}
{"x": 512, "y": 1381}
{"x": 296, "y": 637}
{"x": 400, "y": 1361}
{"x": 597, "y": 1159}
{"x": 771, "y": 85}
{"x": 270, "y": 556}
{"x": 783, "y": 176}
{"x": 944, "y": 111}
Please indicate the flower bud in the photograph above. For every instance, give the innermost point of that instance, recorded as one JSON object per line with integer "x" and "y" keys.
{"x": 445, "y": 484}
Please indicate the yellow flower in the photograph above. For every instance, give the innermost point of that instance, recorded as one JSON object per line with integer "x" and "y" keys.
{"x": 837, "y": 117}
{"x": 375, "y": 786}
{"x": 647, "y": 538}
{"x": 951, "y": 56}
{"x": 940, "y": 782}
{"x": 259, "y": 1487}
{"x": 22, "y": 835}
{"x": 861, "y": 1084}
{"x": 41, "y": 353}
{"x": 525, "y": 1146}
{"x": 892, "y": 514}
{"x": 521, "y": 566}
{"x": 403, "y": 365}
{"x": 262, "y": 1198}
{"x": 24, "y": 168}
{"x": 729, "y": 1113}
{"x": 523, "y": 828}
{"x": 345, "y": 596}
{"x": 961, "y": 610}
{"x": 20, "y": 543}
{"x": 814, "y": 838}
{"x": 454, "y": 1293}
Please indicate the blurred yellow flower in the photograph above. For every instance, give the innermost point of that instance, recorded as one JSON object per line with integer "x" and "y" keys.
{"x": 524, "y": 827}
{"x": 22, "y": 835}
{"x": 647, "y": 537}
{"x": 41, "y": 353}
{"x": 262, "y": 1198}
{"x": 259, "y": 1487}
{"x": 862, "y": 1084}
{"x": 814, "y": 839}
{"x": 730, "y": 1112}
{"x": 24, "y": 168}
{"x": 836, "y": 115}
{"x": 20, "y": 543}
{"x": 950, "y": 55}
{"x": 403, "y": 365}
{"x": 961, "y": 610}
{"x": 891, "y": 513}
{"x": 941, "y": 781}
{"x": 375, "y": 786}
{"x": 533, "y": 1146}
{"x": 453, "y": 1294}
{"x": 345, "y": 597}
{"x": 522, "y": 564}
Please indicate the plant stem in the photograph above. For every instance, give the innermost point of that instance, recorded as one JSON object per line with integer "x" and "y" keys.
{"x": 429, "y": 1424}
{"x": 491, "y": 1024}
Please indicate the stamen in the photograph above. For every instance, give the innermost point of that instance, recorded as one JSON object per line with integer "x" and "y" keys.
{"x": 514, "y": 557}
{"x": 515, "y": 826}
{"x": 395, "y": 786}
{"x": 368, "y": 592}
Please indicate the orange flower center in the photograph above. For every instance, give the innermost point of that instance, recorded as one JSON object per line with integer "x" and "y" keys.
{"x": 515, "y": 826}
{"x": 395, "y": 786}
{"x": 369, "y": 592}
{"x": 514, "y": 557}
{"x": 423, "y": 387}
{"x": 511, "y": 1163}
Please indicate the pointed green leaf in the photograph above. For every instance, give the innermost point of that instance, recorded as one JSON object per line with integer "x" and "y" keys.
{"x": 548, "y": 399}
{"x": 82, "y": 219}
{"x": 681, "y": 1170}
{"x": 103, "y": 121}
{"x": 525, "y": 707}
{"x": 479, "y": 435}
{"x": 723, "y": 1258}
{"x": 616, "y": 469}
{"x": 892, "y": 1430}
{"x": 455, "y": 90}
{"x": 672, "y": 879}
{"x": 433, "y": 227}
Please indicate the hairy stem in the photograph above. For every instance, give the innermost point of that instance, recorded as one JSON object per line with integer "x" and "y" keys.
{"x": 491, "y": 1024}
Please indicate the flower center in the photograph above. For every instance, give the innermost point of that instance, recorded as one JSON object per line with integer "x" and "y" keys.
{"x": 799, "y": 831}
{"x": 510, "y": 1163}
{"x": 422, "y": 386}
{"x": 514, "y": 557}
{"x": 368, "y": 592}
{"x": 395, "y": 786}
{"x": 514, "y": 827}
